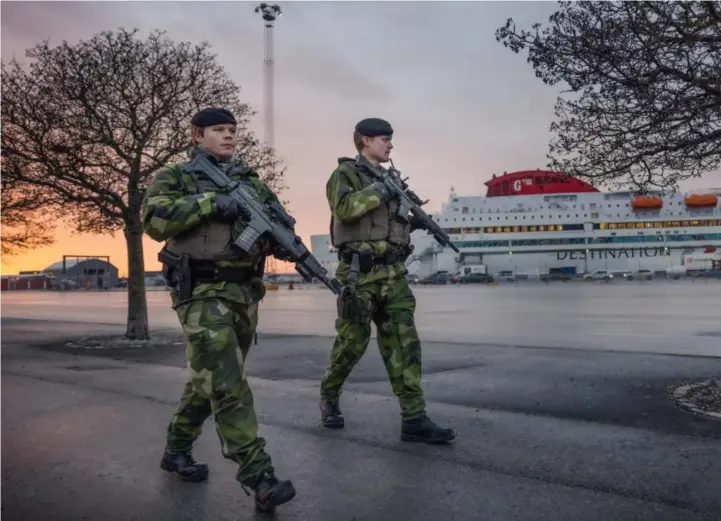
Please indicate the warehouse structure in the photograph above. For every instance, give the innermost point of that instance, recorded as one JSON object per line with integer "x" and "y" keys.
{"x": 84, "y": 272}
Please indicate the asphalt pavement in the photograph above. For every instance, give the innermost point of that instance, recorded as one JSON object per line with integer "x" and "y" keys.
{"x": 543, "y": 433}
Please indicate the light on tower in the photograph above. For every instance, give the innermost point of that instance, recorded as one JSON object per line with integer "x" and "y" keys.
{"x": 269, "y": 11}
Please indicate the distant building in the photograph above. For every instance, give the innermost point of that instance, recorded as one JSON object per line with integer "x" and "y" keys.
{"x": 324, "y": 251}
{"x": 283, "y": 278}
{"x": 84, "y": 273}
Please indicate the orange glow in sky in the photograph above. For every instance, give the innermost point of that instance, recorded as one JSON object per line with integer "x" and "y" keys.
{"x": 67, "y": 243}
{"x": 462, "y": 106}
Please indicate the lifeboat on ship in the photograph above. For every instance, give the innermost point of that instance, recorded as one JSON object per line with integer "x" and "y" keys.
{"x": 647, "y": 202}
{"x": 701, "y": 200}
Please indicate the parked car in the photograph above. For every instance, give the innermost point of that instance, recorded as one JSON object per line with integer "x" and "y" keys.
{"x": 644, "y": 275}
{"x": 442, "y": 277}
{"x": 598, "y": 275}
{"x": 476, "y": 278}
{"x": 558, "y": 275}
{"x": 507, "y": 275}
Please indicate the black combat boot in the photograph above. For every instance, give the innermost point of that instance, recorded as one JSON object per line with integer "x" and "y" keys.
{"x": 271, "y": 492}
{"x": 331, "y": 415}
{"x": 423, "y": 429}
{"x": 183, "y": 464}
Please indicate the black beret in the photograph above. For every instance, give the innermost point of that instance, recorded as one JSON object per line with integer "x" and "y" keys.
{"x": 213, "y": 116}
{"x": 372, "y": 127}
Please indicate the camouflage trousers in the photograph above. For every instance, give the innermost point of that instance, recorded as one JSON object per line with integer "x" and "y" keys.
{"x": 390, "y": 304}
{"x": 219, "y": 334}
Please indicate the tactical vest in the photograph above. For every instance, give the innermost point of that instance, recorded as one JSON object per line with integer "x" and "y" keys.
{"x": 210, "y": 240}
{"x": 377, "y": 225}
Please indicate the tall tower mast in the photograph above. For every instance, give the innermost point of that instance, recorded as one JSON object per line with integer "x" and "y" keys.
{"x": 269, "y": 13}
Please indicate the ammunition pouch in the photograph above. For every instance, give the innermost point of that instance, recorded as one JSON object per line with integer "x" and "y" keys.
{"x": 349, "y": 305}
{"x": 183, "y": 274}
{"x": 367, "y": 260}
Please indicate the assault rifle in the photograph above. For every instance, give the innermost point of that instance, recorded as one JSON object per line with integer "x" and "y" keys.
{"x": 270, "y": 220}
{"x": 409, "y": 202}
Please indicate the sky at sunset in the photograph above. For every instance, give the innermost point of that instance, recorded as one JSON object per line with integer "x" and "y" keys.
{"x": 463, "y": 107}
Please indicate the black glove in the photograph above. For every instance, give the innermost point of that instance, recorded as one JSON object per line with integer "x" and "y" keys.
{"x": 227, "y": 208}
{"x": 281, "y": 254}
{"x": 379, "y": 187}
{"x": 415, "y": 223}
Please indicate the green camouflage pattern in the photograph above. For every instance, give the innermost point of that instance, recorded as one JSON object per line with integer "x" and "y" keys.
{"x": 391, "y": 305}
{"x": 219, "y": 322}
{"x": 349, "y": 200}
{"x": 219, "y": 337}
{"x": 173, "y": 204}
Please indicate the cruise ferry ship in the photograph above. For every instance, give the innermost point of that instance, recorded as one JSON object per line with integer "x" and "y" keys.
{"x": 536, "y": 222}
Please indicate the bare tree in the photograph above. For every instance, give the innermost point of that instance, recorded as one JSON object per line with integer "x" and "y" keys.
{"x": 25, "y": 221}
{"x": 643, "y": 106}
{"x": 91, "y": 122}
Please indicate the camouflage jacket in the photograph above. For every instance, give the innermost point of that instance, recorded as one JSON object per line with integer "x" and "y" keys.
{"x": 348, "y": 200}
{"x": 172, "y": 205}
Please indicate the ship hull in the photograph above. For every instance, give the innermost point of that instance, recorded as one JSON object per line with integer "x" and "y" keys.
{"x": 619, "y": 260}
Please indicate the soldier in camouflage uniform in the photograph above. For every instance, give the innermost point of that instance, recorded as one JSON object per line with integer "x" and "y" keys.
{"x": 218, "y": 314}
{"x": 372, "y": 248}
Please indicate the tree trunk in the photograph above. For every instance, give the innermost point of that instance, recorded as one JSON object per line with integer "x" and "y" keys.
{"x": 137, "y": 302}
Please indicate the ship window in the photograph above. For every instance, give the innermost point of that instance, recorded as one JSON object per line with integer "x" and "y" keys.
{"x": 541, "y": 228}
{"x": 507, "y": 229}
{"x": 533, "y": 228}
{"x": 551, "y": 228}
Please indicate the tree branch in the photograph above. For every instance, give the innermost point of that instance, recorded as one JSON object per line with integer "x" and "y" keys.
{"x": 647, "y": 105}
